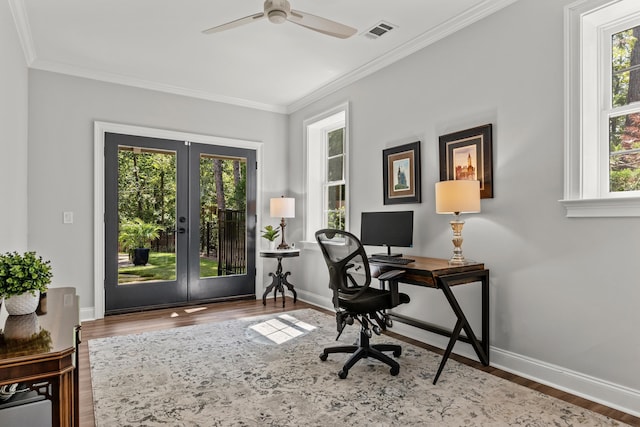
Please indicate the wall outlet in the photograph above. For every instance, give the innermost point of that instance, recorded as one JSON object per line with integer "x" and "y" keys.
{"x": 67, "y": 217}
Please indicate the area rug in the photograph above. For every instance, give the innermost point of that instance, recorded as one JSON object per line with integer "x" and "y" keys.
{"x": 266, "y": 371}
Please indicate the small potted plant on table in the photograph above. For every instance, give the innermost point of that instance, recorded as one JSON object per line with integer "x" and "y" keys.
{"x": 270, "y": 234}
{"x": 22, "y": 278}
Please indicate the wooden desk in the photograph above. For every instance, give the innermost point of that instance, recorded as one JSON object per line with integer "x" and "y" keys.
{"x": 279, "y": 279}
{"x": 439, "y": 274}
{"x": 49, "y": 363}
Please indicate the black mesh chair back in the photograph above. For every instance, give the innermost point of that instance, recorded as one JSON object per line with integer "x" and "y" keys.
{"x": 355, "y": 300}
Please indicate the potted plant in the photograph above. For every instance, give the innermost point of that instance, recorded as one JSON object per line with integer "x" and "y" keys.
{"x": 134, "y": 236}
{"x": 270, "y": 234}
{"x": 22, "y": 278}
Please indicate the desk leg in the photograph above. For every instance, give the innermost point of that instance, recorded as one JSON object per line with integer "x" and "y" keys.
{"x": 481, "y": 348}
{"x": 447, "y": 352}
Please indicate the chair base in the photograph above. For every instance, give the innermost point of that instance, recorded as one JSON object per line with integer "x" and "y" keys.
{"x": 365, "y": 350}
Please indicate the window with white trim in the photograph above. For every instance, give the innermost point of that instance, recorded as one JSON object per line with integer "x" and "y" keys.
{"x": 602, "y": 111}
{"x": 327, "y": 171}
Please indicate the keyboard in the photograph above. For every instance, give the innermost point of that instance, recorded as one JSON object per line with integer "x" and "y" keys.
{"x": 391, "y": 260}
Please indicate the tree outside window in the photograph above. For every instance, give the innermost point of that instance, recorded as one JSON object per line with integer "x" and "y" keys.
{"x": 624, "y": 125}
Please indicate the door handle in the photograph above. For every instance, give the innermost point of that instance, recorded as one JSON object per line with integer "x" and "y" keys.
{"x": 182, "y": 230}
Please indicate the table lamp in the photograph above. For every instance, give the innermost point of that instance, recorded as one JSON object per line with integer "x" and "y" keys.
{"x": 283, "y": 207}
{"x": 456, "y": 197}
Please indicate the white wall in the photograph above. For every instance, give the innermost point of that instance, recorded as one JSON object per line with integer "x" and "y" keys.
{"x": 564, "y": 291}
{"x": 13, "y": 142}
{"x": 62, "y": 111}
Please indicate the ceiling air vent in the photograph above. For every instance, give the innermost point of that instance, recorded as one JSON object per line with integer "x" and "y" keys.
{"x": 379, "y": 30}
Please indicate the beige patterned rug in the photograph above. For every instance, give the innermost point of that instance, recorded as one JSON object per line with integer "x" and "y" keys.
{"x": 266, "y": 371}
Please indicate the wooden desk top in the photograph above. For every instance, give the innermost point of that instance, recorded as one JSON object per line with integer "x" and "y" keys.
{"x": 423, "y": 270}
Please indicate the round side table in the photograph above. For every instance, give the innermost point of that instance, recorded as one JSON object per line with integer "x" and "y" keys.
{"x": 279, "y": 279}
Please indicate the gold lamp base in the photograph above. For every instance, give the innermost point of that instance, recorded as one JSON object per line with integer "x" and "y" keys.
{"x": 456, "y": 226}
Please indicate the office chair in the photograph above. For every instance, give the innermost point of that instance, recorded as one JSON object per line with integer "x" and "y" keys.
{"x": 355, "y": 300}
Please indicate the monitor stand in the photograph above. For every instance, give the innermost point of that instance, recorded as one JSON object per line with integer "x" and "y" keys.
{"x": 389, "y": 254}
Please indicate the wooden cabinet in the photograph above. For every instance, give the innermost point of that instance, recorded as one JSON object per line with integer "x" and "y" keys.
{"x": 41, "y": 351}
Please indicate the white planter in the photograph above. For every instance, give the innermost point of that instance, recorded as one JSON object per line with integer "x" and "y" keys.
{"x": 21, "y": 327}
{"x": 25, "y": 303}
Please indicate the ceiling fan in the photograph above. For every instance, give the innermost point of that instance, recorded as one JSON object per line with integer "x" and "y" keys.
{"x": 279, "y": 11}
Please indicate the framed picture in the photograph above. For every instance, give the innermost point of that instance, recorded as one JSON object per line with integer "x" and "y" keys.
{"x": 468, "y": 155}
{"x": 401, "y": 170}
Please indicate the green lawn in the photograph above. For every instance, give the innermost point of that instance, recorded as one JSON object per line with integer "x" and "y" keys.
{"x": 162, "y": 266}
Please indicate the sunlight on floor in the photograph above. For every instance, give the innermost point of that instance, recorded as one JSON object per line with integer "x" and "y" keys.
{"x": 283, "y": 329}
{"x": 194, "y": 310}
{"x": 189, "y": 311}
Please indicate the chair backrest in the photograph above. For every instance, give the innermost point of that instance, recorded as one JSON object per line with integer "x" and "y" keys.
{"x": 349, "y": 272}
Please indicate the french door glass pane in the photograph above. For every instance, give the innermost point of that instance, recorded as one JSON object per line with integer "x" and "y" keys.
{"x": 223, "y": 203}
{"x": 146, "y": 215}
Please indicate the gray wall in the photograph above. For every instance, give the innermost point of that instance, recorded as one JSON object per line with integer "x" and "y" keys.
{"x": 564, "y": 291}
{"x": 564, "y": 294}
{"x": 13, "y": 143}
{"x": 62, "y": 111}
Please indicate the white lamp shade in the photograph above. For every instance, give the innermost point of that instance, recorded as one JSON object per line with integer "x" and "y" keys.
{"x": 283, "y": 207}
{"x": 457, "y": 196}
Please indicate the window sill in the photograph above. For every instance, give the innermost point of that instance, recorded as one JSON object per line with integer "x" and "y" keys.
{"x": 310, "y": 245}
{"x": 594, "y": 208}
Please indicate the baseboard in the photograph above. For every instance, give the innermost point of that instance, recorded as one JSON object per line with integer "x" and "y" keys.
{"x": 86, "y": 314}
{"x": 613, "y": 395}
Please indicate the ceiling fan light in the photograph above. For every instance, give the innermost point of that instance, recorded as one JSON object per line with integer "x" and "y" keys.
{"x": 277, "y": 16}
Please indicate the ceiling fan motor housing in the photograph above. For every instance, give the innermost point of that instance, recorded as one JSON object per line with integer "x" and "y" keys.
{"x": 277, "y": 10}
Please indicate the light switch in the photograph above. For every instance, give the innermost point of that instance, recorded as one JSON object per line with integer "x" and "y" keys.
{"x": 67, "y": 218}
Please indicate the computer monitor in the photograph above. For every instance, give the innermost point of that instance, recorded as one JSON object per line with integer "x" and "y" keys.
{"x": 387, "y": 229}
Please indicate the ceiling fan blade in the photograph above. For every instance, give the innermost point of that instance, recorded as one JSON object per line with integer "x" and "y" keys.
{"x": 236, "y": 23}
{"x": 321, "y": 25}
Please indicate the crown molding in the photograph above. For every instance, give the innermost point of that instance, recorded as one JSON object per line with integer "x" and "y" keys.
{"x": 21, "y": 20}
{"x": 72, "y": 70}
{"x": 427, "y": 38}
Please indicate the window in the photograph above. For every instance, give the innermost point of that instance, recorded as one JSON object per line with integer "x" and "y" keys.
{"x": 623, "y": 110}
{"x": 602, "y": 111}
{"x": 335, "y": 183}
{"x": 326, "y": 168}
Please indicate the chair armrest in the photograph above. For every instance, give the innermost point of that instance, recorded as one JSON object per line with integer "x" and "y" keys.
{"x": 392, "y": 277}
{"x": 388, "y": 275}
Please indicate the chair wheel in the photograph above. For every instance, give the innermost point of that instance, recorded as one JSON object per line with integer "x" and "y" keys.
{"x": 323, "y": 356}
{"x": 377, "y": 330}
{"x": 388, "y": 322}
{"x": 343, "y": 373}
{"x": 368, "y": 332}
{"x": 394, "y": 371}
{"x": 396, "y": 353}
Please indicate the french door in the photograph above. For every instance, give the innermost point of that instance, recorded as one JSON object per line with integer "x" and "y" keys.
{"x": 179, "y": 222}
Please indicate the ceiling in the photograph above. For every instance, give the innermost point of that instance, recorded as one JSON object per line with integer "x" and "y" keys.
{"x": 159, "y": 44}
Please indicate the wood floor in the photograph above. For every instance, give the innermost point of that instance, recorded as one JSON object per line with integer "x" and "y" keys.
{"x": 183, "y": 316}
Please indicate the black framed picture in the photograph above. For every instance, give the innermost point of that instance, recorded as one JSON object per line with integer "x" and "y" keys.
{"x": 468, "y": 155}
{"x": 401, "y": 170}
